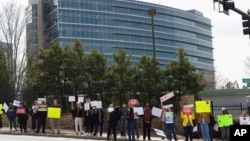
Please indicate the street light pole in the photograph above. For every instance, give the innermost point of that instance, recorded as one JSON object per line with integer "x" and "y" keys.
{"x": 152, "y": 13}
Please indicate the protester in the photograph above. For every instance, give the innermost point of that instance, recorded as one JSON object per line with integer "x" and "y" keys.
{"x": 22, "y": 112}
{"x": 188, "y": 124}
{"x": 163, "y": 121}
{"x": 1, "y": 124}
{"x": 55, "y": 122}
{"x": 131, "y": 125}
{"x": 99, "y": 121}
{"x": 41, "y": 116}
{"x": 147, "y": 118}
{"x": 34, "y": 117}
{"x": 170, "y": 126}
{"x": 78, "y": 114}
{"x": 211, "y": 126}
{"x": 137, "y": 118}
{"x": 123, "y": 120}
{"x": 114, "y": 117}
{"x": 203, "y": 121}
{"x": 225, "y": 130}
{"x": 11, "y": 114}
{"x": 244, "y": 119}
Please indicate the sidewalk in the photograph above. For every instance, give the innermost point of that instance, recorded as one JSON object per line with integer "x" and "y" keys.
{"x": 71, "y": 134}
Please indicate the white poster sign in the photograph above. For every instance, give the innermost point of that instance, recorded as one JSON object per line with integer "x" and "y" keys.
{"x": 93, "y": 103}
{"x": 159, "y": 132}
{"x": 16, "y": 103}
{"x": 86, "y": 106}
{"x": 156, "y": 111}
{"x": 139, "y": 110}
{"x": 5, "y": 107}
{"x": 244, "y": 120}
{"x": 167, "y": 96}
{"x": 72, "y": 99}
{"x": 169, "y": 117}
{"x": 80, "y": 99}
{"x": 168, "y": 106}
{"x": 189, "y": 105}
{"x": 99, "y": 104}
{"x": 40, "y": 100}
{"x": 110, "y": 109}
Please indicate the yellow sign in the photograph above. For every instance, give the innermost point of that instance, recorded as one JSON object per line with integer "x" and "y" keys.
{"x": 225, "y": 120}
{"x": 54, "y": 112}
{"x": 202, "y": 106}
{"x": 1, "y": 109}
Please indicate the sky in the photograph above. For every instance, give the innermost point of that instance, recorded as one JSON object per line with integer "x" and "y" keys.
{"x": 231, "y": 47}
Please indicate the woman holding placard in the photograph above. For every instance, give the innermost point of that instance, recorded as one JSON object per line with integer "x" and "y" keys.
{"x": 188, "y": 117}
{"x": 22, "y": 112}
{"x": 78, "y": 114}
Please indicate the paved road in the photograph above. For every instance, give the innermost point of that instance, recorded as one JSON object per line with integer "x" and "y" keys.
{"x": 66, "y": 135}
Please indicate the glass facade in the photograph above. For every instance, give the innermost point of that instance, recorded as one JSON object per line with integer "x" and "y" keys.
{"x": 105, "y": 25}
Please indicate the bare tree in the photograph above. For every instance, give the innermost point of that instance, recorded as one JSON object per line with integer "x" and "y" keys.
{"x": 12, "y": 31}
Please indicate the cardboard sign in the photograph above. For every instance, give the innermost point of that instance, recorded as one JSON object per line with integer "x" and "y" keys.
{"x": 187, "y": 109}
{"x": 156, "y": 112}
{"x": 40, "y": 100}
{"x": 244, "y": 120}
{"x": 16, "y": 103}
{"x": 81, "y": 99}
{"x": 133, "y": 102}
{"x": 225, "y": 120}
{"x": 5, "y": 107}
{"x": 72, "y": 99}
{"x": 54, "y": 112}
{"x": 167, "y": 96}
{"x": 1, "y": 109}
{"x": 86, "y": 106}
{"x": 169, "y": 117}
{"x": 20, "y": 111}
{"x": 202, "y": 106}
{"x": 139, "y": 110}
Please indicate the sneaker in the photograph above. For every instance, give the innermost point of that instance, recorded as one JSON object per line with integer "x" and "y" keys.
{"x": 76, "y": 133}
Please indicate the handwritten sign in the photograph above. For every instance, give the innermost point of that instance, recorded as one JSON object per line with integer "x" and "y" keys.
{"x": 80, "y": 99}
{"x": 167, "y": 96}
{"x": 54, "y": 112}
{"x": 132, "y": 102}
{"x": 139, "y": 110}
{"x": 72, "y": 99}
{"x": 156, "y": 112}
{"x": 202, "y": 106}
{"x": 225, "y": 120}
{"x": 244, "y": 120}
{"x": 86, "y": 106}
{"x": 187, "y": 109}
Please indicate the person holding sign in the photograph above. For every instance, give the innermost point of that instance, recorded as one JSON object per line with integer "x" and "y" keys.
{"x": 147, "y": 122}
{"x": 244, "y": 119}
{"x": 169, "y": 115}
{"x": 188, "y": 117}
{"x": 22, "y": 117}
{"x": 78, "y": 114}
{"x": 11, "y": 114}
{"x": 225, "y": 130}
{"x": 41, "y": 116}
{"x": 131, "y": 124}
{"x": 1, "y": 112}
{"x": 55, "y": 121}
{"x": 204, "y": 120}
{"x": 34, "y": 115}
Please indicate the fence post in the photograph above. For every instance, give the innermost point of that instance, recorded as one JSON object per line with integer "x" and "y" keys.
{"x": 212, "y": 107}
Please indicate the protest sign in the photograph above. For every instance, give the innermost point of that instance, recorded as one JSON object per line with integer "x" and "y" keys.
{"x": 139, "y": 110}
{"x": 54, "y": 112}
{"x": 187, "y": 109}
{"x": 72, "y": 99}
{"x": 99, "y": 104}
{"x": 169, "y": 117}
{"x": 167, "y": 106}
{"x": 156, "y": 112}
{"x": 225, "y": 120}
{"x": 40, "y": 100}
{"x": 110, "y": 109}
{"x": 81, "y": 99}
{"x": 5, "y": 107}
{"x": 133, "y": 102}
{"x": 202, "y": 106}
{"x": 159, "y": 132}
{"x": 244, "y": 120}
{"x": 1, "y": 109}
{"x": 16, "y": 103}
{"x": 20, "y": 111}
{"x": 166, "y": 96}
{"x": 86, "y": 106}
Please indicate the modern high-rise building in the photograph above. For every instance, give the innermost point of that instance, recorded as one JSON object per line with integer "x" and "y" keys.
{"x": 105, "y": 25}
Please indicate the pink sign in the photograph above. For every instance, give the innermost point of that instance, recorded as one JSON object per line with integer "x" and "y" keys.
{"x": 167, "y": 96}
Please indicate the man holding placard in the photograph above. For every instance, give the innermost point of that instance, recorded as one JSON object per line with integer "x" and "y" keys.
{"x": 187, "y": 116}
{"x": 224, "y": 121}
{"x": 147, "y": 118}
{"x": 41, "y": 116}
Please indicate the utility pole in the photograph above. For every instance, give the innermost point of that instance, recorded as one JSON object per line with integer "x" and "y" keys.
{"x": 152, "y": 13}
{"x": 229, "y": 5}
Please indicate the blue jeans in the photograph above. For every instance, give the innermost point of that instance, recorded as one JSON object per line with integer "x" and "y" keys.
{"x": 131, "y": 131}
{"x": 123, "y": 125}
{"x": 164, "y": 129}
{"x": 205, "y": 132}
{"x": 171, "y": 130}
{"x": 225, "y": 135}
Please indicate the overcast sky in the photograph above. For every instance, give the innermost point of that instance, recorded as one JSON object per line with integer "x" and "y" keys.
{"x": 231, "y": 47}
